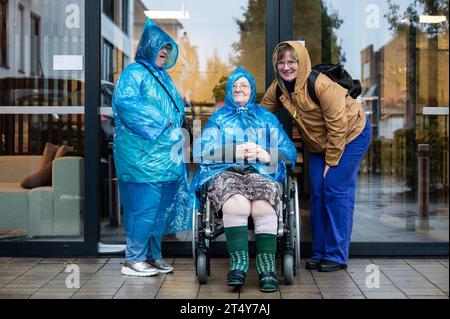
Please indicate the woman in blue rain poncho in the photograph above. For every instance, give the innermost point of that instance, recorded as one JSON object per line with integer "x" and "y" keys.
{"x": 148, "y": 114}
{"x": 242, "y": 151}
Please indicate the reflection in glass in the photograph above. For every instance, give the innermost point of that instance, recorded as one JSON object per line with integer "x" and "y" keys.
{"x": 41, "y": 120}
{"x": 403, "y": 67}
{"x": 211, "y": 44}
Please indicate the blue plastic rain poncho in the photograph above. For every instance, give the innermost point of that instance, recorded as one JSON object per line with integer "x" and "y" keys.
{"x": 233, "y": 125}
{"x": 148, "y": 144}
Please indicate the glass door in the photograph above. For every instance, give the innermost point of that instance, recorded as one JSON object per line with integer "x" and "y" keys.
{"x": 212, "y": 43}
{"x": 42, "y": 100}
{"x": 399, "y": 51}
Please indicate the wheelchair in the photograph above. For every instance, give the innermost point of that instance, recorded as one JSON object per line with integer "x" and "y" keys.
{"x": 207, "y": 226}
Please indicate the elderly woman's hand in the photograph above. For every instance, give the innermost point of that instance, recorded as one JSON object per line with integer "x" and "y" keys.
{"x": 241, "y": 152}
{"x": 253, "y": 152}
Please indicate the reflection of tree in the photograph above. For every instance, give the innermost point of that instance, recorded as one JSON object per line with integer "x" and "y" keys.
{"x": 312, "y": 21}
{"x": 428, "y": 47}
{"x": 220, "y": 89}
{"x": 185, "y": 73}
{"x": 331, "y": 50}
{"x": 250, "y": 50}
{"x": 196, "y": 86}
{"x": 316, "y": 23}
{"x": 429, "y": 7}
{"x": 215, "y": 71}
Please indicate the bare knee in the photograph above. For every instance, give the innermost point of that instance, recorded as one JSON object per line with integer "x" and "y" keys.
{"x": 261, "y": 208}
{"x": 236, "y": 211}
{"x": 264, "y": 218}
{"x": 237, "y": 205}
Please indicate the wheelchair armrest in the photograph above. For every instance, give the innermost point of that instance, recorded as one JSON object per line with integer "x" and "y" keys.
{"x": 290, "y": 169}
{"x": 200, "y": 191}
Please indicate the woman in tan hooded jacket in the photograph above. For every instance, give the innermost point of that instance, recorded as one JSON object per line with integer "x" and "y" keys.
{"x": 338, "y": 135}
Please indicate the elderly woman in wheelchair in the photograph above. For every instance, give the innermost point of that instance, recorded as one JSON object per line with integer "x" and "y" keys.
{"x": 243, "y": 152}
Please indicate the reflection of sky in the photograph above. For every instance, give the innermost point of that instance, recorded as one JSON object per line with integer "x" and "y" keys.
{"x": 211, "y": 26}
{"x": 355, "y": 34}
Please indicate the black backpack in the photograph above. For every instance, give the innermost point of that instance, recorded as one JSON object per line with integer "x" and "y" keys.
{"x": 336, "y": 73}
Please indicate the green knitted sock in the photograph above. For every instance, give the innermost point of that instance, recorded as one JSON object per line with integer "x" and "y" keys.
{"x": 266, "y": 248}
{"x": 237, "y": 244}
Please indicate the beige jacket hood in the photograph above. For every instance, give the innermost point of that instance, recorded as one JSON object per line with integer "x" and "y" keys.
{"x": 304, "y": 68}
{"x": 324, "y": 128}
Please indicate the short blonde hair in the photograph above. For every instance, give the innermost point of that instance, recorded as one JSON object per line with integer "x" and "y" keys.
{"x": 281, "y": 51}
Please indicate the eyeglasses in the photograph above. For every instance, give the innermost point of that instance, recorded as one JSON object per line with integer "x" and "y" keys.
{"x": 290, "y": 64}
{"x": 243, "y": 87}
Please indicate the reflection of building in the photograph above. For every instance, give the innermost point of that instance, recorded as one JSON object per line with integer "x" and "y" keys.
{"x": 118, "y": 35}
{"x": 39, "y": 35}
{"x": 384, "y": 80}
{"x": 28, "y": 103}
{"x": 370, "y": 80}
{"x": 171, "y": 26}
{"x": 42, "y": 49}
{"x": 32, "y": 34}
{"x": 397, "y": 85}
{"x": 384, "y": 86}
{"x": 122, "y": 25}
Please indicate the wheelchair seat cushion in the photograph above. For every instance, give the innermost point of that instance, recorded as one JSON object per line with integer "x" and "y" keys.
{"x": 268, "y": 281}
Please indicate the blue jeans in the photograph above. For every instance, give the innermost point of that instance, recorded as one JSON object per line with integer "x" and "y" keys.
{"x": 144, "y": 206}
{"x": 333, "y": 200}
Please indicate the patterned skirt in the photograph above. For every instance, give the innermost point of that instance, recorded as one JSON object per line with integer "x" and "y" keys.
{"x": 253, "y": 186}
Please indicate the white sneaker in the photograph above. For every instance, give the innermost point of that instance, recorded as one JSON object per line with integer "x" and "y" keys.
{"x": 139, "y": 269}
{"x": 160, "y": 265}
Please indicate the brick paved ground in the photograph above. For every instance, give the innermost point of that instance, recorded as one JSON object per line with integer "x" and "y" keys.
{"x": 100, "y": 278}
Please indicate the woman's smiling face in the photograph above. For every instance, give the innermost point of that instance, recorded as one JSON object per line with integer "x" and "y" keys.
{"x": 241, "y": 91}
{"x": 287, "y": 67}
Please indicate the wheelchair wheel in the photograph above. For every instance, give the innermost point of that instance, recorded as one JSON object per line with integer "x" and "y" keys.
{"x": 298, "y": 225}
{"x": 288, "y": 269}
{"x": 195, "y": 229}
{"x": 202, "y": 268}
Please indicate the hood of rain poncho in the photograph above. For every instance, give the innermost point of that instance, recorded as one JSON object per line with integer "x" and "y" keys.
{"x": 148, "y": 143}
{"x": 225, "y": 124}
{"x": 301, "y": 55}
{"x": 153, "y": 39}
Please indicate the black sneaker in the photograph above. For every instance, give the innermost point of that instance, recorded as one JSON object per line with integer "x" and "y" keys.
{"x": 329, "y": 266}
{"x": 312, "y": 264}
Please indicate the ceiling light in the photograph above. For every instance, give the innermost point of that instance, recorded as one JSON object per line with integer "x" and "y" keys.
{"x": 432, "y": 19}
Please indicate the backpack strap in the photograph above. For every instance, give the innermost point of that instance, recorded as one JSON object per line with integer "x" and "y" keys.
{"x": 311, "y": 84}
{"x": 278, "y": 94}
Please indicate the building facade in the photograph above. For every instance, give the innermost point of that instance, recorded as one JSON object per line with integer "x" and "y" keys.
{"x": 60, "y": 59}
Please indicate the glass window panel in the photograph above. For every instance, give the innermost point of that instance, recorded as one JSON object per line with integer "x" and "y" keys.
{"x": 212, "y": 43}
{"x": 403, "y": 66}
{"x": 42, "y": 103}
